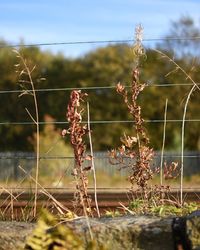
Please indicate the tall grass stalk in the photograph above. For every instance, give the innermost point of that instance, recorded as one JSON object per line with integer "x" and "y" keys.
{"x": 59, "y": 206}
{"x": 182, "y": 140}
{"x": 195, "y": 86}
{"x": 10, "y": 206}
{"x": 163, "y": 143}
{"x": 92, "y": 160}
{"x": 28, "y": 72}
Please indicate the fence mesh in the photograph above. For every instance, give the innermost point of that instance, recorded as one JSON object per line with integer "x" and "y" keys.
{"x": 10, "y": 162}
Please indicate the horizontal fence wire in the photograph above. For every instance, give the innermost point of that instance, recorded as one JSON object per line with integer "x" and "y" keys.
{"x": 15, "y": 156}
{"x": 192, "y": 38}
{"x": 100, "y": 122}
{"x": 94, "y": 88}
{"x": 68, "y": 189}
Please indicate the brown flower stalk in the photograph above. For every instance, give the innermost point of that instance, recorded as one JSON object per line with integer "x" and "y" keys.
{"x": 135, "y": 153}
{"x": 77, "y": 131}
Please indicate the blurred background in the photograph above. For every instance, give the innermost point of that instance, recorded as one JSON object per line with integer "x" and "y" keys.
{"x": 88, "y": 45}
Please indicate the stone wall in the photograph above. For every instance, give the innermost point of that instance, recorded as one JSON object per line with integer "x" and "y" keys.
{"x": 126, "y": 232}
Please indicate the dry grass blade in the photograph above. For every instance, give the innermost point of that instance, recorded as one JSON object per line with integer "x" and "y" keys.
{"x": 58, "y": 204}
{"x": 194, "y": 87}
{"x": 92, "y": 161}
{"x": 10, "y": 204}
{"x": 126, "y": 209}
{"x": 182, "y": 140}
{"x": 163, "y": 143}
{"x": 178, "y": 67}
{"x": 28, "y": 72}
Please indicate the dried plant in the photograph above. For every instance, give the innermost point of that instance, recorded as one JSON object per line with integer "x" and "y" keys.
{"x": 135, "y": 153}
{"x": 171, "y": 171}
{"x": 77, "y": 131}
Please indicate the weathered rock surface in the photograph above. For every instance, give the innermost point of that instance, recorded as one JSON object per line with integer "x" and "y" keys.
{"x": 127, "y": 232}
{"x": 13, "y": 234}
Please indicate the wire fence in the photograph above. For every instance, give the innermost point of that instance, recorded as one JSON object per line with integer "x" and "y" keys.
{"x": 192, "y": 38}
{"x": 10, "y": 161}
{"x": 153, "y": 121}
{"x": 93, "y": 88}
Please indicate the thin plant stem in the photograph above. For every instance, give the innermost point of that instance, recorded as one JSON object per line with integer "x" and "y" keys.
{"x": 58, "y": 205}
{"x": 36, "y": 122}
{"x": 87, "y": 220}
{"x": 37, "y": 143}
{"x": 37, "y": 147}
{"x": 163, "y": 143}
{"x": 12, "y": 206}
{"x": 182, "y": 141}
{"x": 178, "y": 67}
{"x": 92, "y": 161}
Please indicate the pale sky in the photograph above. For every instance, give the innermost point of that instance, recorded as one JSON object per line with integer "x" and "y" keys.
{"x": 46, "y": 21}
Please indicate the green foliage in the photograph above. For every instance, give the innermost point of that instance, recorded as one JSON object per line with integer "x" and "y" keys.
{"x": 166, "y": 210}
{"x": 154, "y": 207}
{"x": 51, "y": 145}
{"x": 48, "y": 235}
{"x": 112, "y": 213}
{"x": 183, "y": 28}
{"x": 136, "y": 206}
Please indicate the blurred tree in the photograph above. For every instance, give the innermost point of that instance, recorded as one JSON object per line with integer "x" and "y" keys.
{"x": 52, "y": 146}
{"x": 185, "y": 42}
{"x": 106, "y": 66}
{"x": 186, "y": 52}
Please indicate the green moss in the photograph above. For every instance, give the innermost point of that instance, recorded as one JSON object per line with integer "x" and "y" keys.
{"x": 139, "y": 206}
{"x": 193, "y": 231}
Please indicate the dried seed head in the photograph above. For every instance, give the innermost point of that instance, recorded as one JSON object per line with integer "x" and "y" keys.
{"x": 64, "y": 132}
{"x": 139, "y": 33}
{"x": 120, "y": 88}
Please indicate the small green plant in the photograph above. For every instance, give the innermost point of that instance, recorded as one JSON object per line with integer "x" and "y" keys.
{"x": 136, "y": 205}
{"x": 112, "y": 213}
{"x": 154, "y": 207}
{"x": 167, "y": 209}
